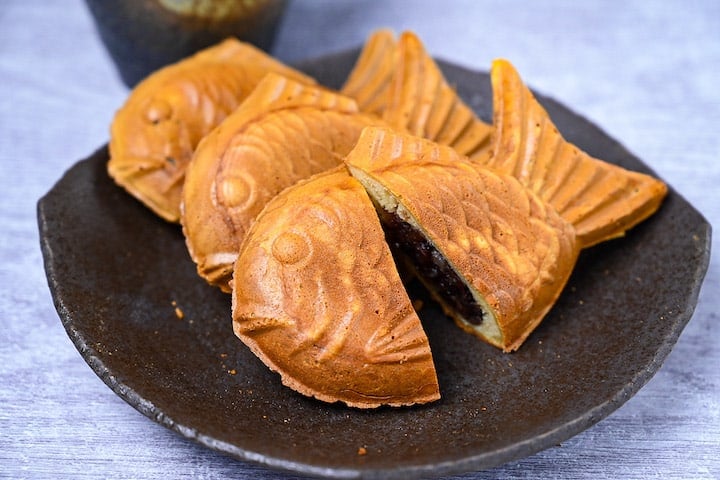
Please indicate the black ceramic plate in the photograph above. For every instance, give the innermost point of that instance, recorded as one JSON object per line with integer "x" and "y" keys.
{"x": 116, "y": 272}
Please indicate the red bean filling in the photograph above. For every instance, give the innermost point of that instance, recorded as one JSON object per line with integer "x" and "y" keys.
{"x": 431, "y": 265}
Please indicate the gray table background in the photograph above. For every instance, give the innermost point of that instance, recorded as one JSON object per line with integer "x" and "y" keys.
{"x": 647, "y": 72}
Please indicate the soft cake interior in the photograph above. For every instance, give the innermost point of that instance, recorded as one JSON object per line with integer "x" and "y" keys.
{"x": 407, "y": 238}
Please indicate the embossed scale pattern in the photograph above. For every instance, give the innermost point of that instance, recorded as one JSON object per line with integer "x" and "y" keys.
{"x": 601, "y": 200}
{"x": 508, "y": 244}
{"x": 276, "y": 152}
{"x": 319, "y": 300}
{"x": 154, "y": 134}
{"x": 284, "y": 132}
{"x": 423, "y": 103}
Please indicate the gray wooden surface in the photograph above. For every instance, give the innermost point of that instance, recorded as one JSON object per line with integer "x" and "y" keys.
{"x": 646, "y": 72}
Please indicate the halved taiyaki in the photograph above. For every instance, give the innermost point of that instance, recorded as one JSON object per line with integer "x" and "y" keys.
{"x": 154, "y": 134}
{"x": 369, "y": 80}
{"x": 284, "y": 132}
{"x": 599, "y": 199}
{"x": 421, "y": 102}
{"x": 493, "y": 253}
{"x": 318, "y": 299}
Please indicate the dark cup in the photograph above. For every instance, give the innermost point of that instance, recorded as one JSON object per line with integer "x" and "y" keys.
{"x": 144, "y": 35}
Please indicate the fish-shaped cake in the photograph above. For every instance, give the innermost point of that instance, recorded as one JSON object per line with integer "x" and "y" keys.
{"x": 492, "y": 253}
{"x": 318, "y": 299}
{"x": 285, "y": 131}
{"x": 154, "y": 134}
{"x": 599, "y": 199}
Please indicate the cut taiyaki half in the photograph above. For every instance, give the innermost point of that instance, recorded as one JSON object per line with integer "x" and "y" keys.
{"x": 318, "y": 299}
{"x": 493, "y": 254}
{"x": 155, "y": 133}
{"x": 284, "y": 132}
{"x": 601, "y": 200}
{"x": 421, "y": 101}
{"x": 369, "y": 80}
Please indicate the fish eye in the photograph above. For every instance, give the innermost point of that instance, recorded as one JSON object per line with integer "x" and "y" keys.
{"x": 157, "y": 111}
{"x": 290, "y": 248}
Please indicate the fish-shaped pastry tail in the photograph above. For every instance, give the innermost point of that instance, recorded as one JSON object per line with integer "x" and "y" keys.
{"x": 423, "y": 103}
{"x": 599, "y": 199}
{"x": 493, "y": 253}
{"x": 318, "y": 299}
{"x": 154, "y": 134}
{"x": 369, "y": 80}
{"x": 283, "y": 132}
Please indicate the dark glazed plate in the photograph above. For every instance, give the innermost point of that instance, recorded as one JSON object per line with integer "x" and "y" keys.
{"x": 116, "y": 273}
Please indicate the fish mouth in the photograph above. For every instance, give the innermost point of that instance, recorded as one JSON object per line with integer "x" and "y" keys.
{"x": 153, "y": 181}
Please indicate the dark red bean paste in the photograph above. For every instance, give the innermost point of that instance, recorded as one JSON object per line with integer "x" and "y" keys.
{"x": 431, "y": 265}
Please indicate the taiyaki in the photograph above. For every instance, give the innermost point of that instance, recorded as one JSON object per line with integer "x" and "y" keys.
{"x": 599, "y": 199}
{"x": 154, "y": 134}
{"x": 494, "y": 254}
{"x": 318, "y": 299}
{"x": 283, "y": 132}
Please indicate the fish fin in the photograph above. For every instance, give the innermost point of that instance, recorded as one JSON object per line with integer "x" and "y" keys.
{"x": 369, "y": 79}
{"x": 276, "y": 92}
{"x": 599, "y": 199}
{"x": 423, "y": 103}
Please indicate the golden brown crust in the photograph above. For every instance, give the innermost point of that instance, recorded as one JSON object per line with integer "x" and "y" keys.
{"x": 601, "y": 200}
{"x": 284, "y": 132}
{"x": 511, "y": 248}
{"x": 369, "y": 80}
{"x": 421, "y": 102}
{"x": 154, "y": 134}
{"x": 318, "y": 299}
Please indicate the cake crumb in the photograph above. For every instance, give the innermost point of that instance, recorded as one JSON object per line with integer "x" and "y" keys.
{"x": 362, "y": 451}
{"x": 178, "y": 312}
{"x": 417, "y": 304}
{"x": 232, "y": 371}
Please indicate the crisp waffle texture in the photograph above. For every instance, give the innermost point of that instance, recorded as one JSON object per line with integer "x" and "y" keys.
{"x": 319, "y": 299}
{"x": 601, "y": 200}
{"x": 283, "y": 132}
{"x": 512, "y": 250}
